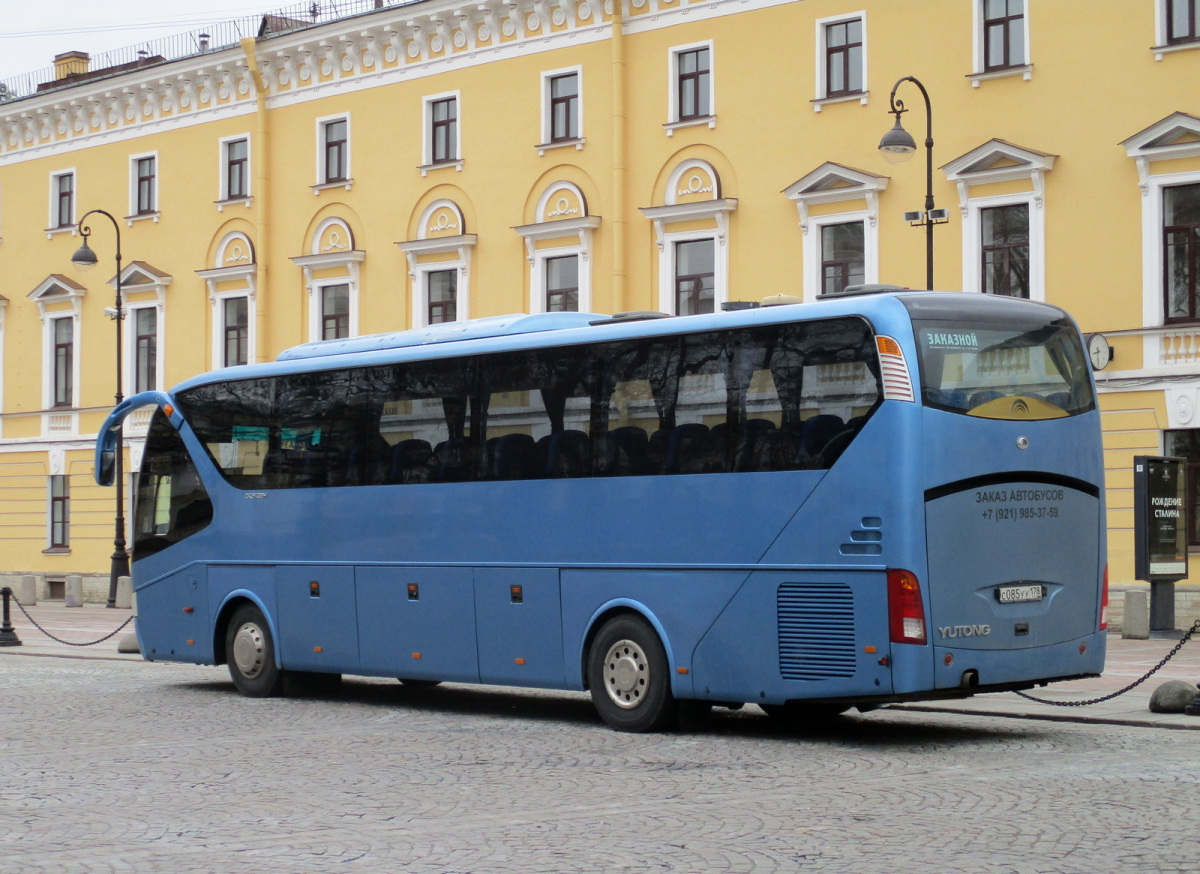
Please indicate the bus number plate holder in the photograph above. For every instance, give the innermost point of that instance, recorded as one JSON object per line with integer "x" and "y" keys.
{"x": 1021, "y": 593}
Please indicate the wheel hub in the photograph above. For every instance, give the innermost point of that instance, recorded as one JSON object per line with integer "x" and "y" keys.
{"x": 248, "y": 650}
{"x": 626, "y": 674}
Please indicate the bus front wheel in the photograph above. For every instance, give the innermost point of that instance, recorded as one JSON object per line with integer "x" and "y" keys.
{"x": 250, "y": 651}
{"x": 628, "y": 678}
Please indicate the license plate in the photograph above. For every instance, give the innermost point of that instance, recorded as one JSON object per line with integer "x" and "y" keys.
{"x": 1017, "y": 594}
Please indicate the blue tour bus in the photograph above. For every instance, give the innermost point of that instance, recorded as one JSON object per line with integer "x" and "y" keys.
{"x": 873, "y": 498}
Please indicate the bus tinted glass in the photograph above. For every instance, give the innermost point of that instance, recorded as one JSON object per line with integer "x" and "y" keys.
{"x": 171, "y": 501}
{"x": 1035, "y": 371}
{"x": 777, "y": 397}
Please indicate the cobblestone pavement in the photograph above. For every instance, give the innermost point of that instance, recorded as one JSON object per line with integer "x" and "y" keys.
{"x": 109, "y": 765}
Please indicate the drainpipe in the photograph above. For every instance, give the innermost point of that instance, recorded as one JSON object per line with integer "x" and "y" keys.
{"x": 261, "y": 201}
{"x": 619, "y": 302}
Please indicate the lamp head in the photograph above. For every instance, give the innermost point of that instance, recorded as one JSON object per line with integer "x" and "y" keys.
{"x": 84, "y": 258}
{"x": 897, "y": 144}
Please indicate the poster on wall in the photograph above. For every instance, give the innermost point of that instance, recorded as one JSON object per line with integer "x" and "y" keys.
{"x": 1160, "y": 518}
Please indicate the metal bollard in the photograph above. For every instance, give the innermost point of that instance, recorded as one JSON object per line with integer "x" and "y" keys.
{"x": 8, "y": 637}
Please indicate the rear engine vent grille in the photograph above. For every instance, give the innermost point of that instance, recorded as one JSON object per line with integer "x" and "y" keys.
{"x": 816, "y": 631}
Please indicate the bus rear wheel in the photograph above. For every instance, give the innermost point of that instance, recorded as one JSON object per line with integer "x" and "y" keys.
{"x": 628, "y": 678}
{"x": 250, "y": 651}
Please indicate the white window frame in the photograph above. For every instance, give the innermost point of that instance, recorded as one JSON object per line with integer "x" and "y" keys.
{"x": 822, "y": 96}
{"x": 462, "y": 291}
{"x": 427, "y": 102}
{"x": 52, "y": 226}
{"x": 48, "y": 351}
{"x": 223, "y": 169}
{"x": 1153, "y": 314}
{"x": 667, "y": 263}
{"x": 246, "y": 275}
{"x": 836, "y": 183}
{"x": 973, "y": 240}
{"x": 537, "y": 276}
{"x": 218, "y": 301}
{"x": 317, "y": 296}
{"x": 1160, "y": 33}
{"x": 580, "y": 227}
{"x": 673, "y": 120}
{"x": 129, "y": 377}
{"x": 453, "y": 252}
{"x": 65, "y": 547}
{"x": 153, "y": 214}
{"x": 547, "y": 117}
{"x": 983, "y": 166}
{"x": 977, "y": 49}
{"x": 322, "y": 125}
{"x": 812, "y": 275}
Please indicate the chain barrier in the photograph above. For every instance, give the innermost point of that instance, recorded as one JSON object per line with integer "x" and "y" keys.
{"x": 1150, "y": 673}
{"x": 68, "y": 642}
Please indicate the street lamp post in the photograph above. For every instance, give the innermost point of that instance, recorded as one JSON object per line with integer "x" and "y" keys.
{"x": 898, "y": 146}
{"x": 84, "y": 258}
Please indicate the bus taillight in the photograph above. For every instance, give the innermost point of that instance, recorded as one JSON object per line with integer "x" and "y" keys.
{"x": 906, "y": 613}
{"x": 897, "y": 384}
{"x": 1104, "y": 602}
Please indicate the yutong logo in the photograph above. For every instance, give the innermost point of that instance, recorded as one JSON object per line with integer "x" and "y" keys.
{"x": 951, "y": 631}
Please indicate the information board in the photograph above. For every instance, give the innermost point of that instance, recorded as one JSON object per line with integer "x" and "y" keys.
{"x": 1160, "y": 518}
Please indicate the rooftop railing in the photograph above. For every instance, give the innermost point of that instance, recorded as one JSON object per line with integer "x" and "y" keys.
{"x": 203, "y": 40}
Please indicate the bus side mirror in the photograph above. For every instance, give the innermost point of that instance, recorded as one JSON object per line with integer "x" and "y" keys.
{"x": 108, "y": 464}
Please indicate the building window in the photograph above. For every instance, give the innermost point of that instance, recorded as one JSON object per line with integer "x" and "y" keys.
{"x": 564, "y": 107}
{"x": 335, "y": 156}
{"x": 562, "y": 284}
{"x": 442, "y": 290}
{"x": 60, "y": 512}
{"x": 1004, "y": 250}
{"x": 693, "y": 83}
{"x": 64, "y": 362}
{"x": 1182, "y": 26}
{"x": 844, "y": 58}
{"x": 235, "y": 330}
{"x": 1003, "y": 34}
{"x": 1186, "y": 444}
{"x": 695, "y": 277}
{"x": 145, "y": 198}
{"x": 62, "y": 210}
{"x": 145, "y": 349}
{"x": 843, "y": 256}
{"x": 335, "y": 312}
{"x": 236, "y": 169}
{"x": 443, "y": 130}
{"x": 1181, "y": 252}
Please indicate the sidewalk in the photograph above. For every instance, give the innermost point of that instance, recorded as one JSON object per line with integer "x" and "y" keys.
{"x": 1127, "y": 660}
{"x": 76, "y": 624}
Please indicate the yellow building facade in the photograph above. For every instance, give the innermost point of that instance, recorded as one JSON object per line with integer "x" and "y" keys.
{"x": 434, "y": 161}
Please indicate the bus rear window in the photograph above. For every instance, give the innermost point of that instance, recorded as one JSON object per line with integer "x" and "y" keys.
{"x": 993, "y": 371}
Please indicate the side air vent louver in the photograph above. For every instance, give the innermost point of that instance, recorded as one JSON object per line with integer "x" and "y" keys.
{"x": 816, "y": 631}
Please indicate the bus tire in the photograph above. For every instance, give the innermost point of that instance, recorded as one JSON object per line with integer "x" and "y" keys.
{"x": 628, "y": 677}
{"x": 250, "y": 651}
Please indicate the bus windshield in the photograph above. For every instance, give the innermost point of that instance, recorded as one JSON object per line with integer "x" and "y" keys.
{"x": 1003, "y": 372}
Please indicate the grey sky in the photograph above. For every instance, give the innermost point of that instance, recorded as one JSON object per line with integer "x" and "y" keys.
{"x": 32, "y": 32}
